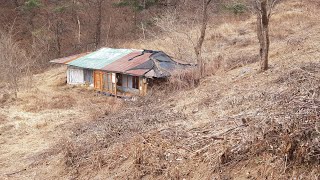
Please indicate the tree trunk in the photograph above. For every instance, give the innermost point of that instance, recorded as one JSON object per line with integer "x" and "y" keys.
{"x": 58, "y": 39}
{"x": 108, "y": 31}
{"x": 79, "y": 30}
{"x": 260, "y": 34}
{"x": 263, "y": 35}
{"x": 198, "y": 47}
{"x": 77, "y": 20}
{"x": 98, "y": 25}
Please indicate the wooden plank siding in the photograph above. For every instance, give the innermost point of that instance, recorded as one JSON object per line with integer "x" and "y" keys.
{"x": 97, "y": 78}
{"x": 106, "y": 82}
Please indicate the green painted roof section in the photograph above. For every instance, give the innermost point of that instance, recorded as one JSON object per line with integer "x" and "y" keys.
{"x": 100, "y": 58}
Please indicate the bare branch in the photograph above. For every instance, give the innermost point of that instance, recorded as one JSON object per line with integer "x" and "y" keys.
{"x": 271, "y": 6}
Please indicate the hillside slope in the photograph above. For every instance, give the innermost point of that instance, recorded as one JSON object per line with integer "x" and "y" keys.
{"x": 238, "y": 124}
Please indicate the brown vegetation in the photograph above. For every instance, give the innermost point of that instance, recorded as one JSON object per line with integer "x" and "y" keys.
{"x": 14, "y": 62}
{"x": 39, "y": 103}
{"x": 268, "y": 123}
{"x": 235, "y": 124}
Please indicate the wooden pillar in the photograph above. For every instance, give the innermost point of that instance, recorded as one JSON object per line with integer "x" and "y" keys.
{"x": 114, "y": 84}
{"x": 101, "y": 81}
{"x": 145, "y": 82}
{"x": 140, "y": 86}
{"x": 143, "y": 86}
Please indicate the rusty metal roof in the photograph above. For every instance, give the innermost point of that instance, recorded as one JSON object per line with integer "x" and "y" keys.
{"x": 138, "y": 72}
{"x": 65, "y": 60}
{"x": 125, "y": 61}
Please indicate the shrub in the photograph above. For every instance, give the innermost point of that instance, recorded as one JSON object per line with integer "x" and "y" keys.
{"x": 236, "y": 8}
{"x": 31, "y": 4}
{"x": 135, "y": 4}
{"x": 183, "y": 79}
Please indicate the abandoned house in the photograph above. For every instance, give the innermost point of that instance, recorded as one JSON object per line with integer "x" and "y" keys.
{"x": 119, "y": 71}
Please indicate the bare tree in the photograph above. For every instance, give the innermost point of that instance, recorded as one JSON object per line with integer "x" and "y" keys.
{"x": 58, "y": 27}
{"x": 75, "y": 14}
{"x": 198, "y": 47}
{"x": 99, "y": 23}
{"x": 188, "y": 44}
{"x": 263, "y": 10}
{"x": 13, "y": 62}
{"x": 178, "y": 40}
{"x": 98, "y": 16}
{"x": 58, "y": 32}
{"x": 32, "y": 7}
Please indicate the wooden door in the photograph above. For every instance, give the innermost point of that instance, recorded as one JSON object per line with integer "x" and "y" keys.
{"x": 98, "y": 80}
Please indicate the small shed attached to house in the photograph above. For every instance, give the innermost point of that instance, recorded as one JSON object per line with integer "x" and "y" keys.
{"x": 119, "y": 71}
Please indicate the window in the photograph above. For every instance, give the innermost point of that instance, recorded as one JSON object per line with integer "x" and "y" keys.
{"x": 135, "y": 82}
{"x": 119, "y": 79}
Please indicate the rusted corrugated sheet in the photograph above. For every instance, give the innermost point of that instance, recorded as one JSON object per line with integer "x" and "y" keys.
{"x": 138, "y": 72}
{"x": 126, "y": 61}
{"x": 65, "y": 60}
{"x": 150, "y": 73}
{"x": 124, "y": 64}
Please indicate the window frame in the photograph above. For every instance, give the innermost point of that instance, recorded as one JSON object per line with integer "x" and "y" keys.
{"x": 119, "y": 79}
{"x": 135, "y": 82}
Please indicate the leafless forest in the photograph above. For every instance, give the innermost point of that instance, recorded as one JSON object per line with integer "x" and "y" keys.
{"x": 250, "y": 109}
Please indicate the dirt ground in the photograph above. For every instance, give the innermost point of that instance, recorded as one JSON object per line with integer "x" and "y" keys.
{"x": 184, "y": 135}
{"x": 40, "y": 117}
{"x": 237, "y": 124}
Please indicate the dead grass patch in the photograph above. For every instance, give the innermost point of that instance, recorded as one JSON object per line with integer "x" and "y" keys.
{"x": 189, "y": 78}
{"x": 291, "y": 122}
{"x": 39, "y": 103}
{"x": 103, "y": 143}
{"x": 101, "y": 105}
{"x": 3, "y": 118}
{"x": 240, "y": 60}
{"x": 183, "y": 79}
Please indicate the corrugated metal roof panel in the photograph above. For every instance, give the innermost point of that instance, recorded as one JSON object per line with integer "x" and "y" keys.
{"x": 68, "y": 59}
{"x": 128, "y": 62}
{"x": 101, "y": 58}
{"x": 137, "y": 72}
{"x": 150, "y": 74}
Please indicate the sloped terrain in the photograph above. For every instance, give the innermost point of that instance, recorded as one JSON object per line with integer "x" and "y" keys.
{"x": 40, "y": 117}
{"x": 263, "y": 125}
{"x": 237, "y": 124}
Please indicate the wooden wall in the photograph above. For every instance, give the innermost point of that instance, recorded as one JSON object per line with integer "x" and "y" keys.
{"x": 130, "y": 85}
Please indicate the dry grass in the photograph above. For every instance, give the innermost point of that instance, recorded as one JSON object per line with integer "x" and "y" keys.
{"x": 154, "y": 138}
{"x": 183, "y": 80}
{"x": 40, "y": 117}
{"x": 240, "y": 61}
{"x": 238, "y": 124}
{"x": 231, "y": 124}
{"x": 3, "y": 118}
{"x": 103, "y": 140}
{"x": 38, "y": 103}
{"x": 290, "y": 121}
{"x": 5, "y": 98}
{"x": 101, "y": 105}
{"x": 187, "y": 79}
